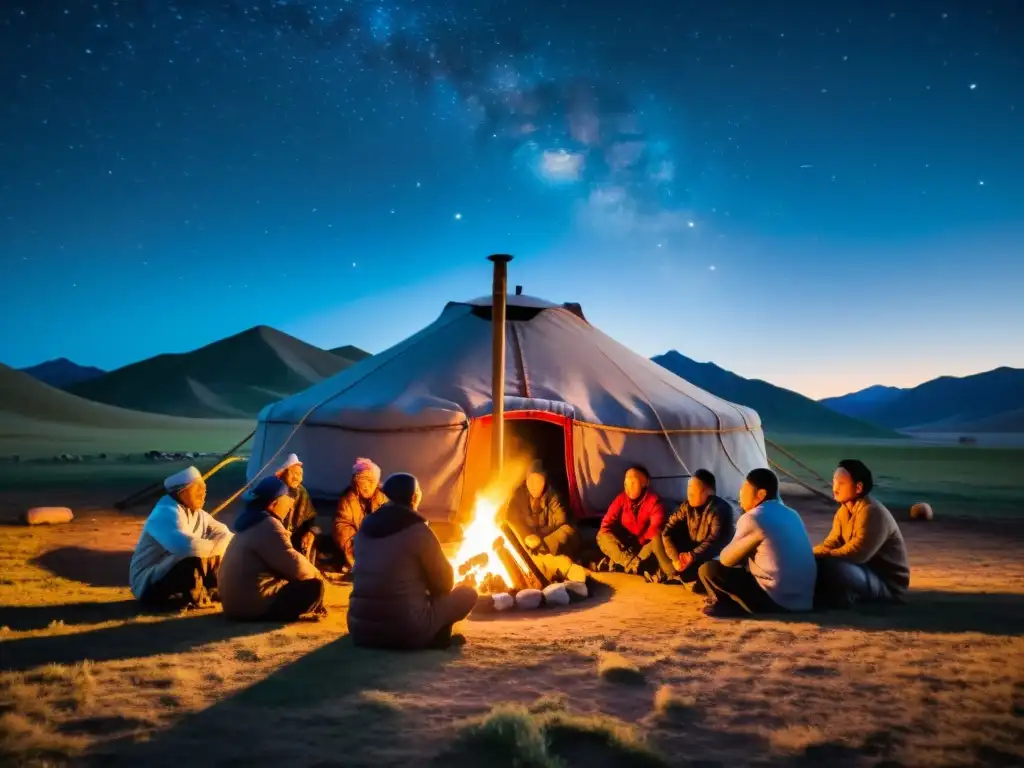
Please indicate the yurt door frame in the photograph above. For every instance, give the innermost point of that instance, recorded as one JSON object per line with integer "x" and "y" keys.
{"x": 478, "y": 460}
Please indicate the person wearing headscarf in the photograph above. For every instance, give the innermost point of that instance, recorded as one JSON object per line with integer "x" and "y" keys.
{"x": 178, "y": 554}
{"x": 864, "y": 557}
{"x": 263, "y": 577}
{"x": 301, "y": 521}
{"x": 362, "y": 497}
{"x": 537, "y": 514}
{"x": 630, "y": 533}
{"x": 698, "y": 530}
{"x": 403, "y": 587}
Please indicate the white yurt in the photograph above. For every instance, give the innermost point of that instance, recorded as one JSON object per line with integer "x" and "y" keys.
{"x": 584, "y": 403}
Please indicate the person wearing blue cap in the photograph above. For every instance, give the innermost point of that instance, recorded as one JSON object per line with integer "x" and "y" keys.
{"x": 263, "y": 577}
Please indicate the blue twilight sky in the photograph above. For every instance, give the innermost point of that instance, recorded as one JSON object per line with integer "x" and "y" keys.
{"x": 823, "y": 195}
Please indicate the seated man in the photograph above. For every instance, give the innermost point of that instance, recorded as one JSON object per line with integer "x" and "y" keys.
{"x": 263, "y": 577}
{"x": 402, "y": 583}
{"x": 698, "y": 530}
{"x": 301, "y": 521}
{"x": 864, "y": 557}
{"x": 772, "y": 542}
{"x": 178, "y": 554}
{"x": 630, "y": 533}
{"x": 537, "y": 514}
{"x": 363, "y": 497}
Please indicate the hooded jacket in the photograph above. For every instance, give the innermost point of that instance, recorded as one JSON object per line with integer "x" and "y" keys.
{"x": 400, "y": 570}
{"x": 259, "y": 561}
{"x": 544, "y": 517}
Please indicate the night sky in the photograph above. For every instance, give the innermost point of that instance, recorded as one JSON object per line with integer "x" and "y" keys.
{"x": 823, "y": 195}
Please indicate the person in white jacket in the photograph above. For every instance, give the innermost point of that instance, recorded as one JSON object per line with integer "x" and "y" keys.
{"x": 179, "y": 551}
{"x": 769, "y": 566}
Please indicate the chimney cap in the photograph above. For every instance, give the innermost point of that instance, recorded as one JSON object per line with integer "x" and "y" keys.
{"x": 519, "y": 290}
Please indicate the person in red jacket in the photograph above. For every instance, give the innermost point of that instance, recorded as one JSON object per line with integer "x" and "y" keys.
{"x": 630, "y": 535}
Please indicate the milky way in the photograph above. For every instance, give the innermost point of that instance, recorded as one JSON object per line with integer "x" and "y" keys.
{"x": 720, "y": 168}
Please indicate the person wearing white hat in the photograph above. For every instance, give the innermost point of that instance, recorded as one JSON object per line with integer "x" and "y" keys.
{"x": 301, "y": 521}
{"x": 178, "y": 553}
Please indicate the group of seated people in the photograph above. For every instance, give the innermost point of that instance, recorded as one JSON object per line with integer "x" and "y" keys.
{"x": 271, "y": 567}
{"x": 762, "y": 562}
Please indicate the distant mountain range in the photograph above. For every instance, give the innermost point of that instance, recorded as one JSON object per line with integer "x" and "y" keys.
{"x": 231, "y": 378}
{"x": 781, "y": 410}
{"x": 984, "y": 403}
{"x": 62, "y": 372}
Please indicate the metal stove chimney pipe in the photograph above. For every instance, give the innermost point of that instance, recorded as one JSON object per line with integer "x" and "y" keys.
{"x": 498, "y": 304}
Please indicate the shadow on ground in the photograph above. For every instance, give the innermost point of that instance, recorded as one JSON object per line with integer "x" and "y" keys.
{"x": 933, "y": 611}
{"x": 314, "y": 712}
{"x": 95, "y": 567}
{"x": 176, "y": 634}
{"x": 23, "y": 618}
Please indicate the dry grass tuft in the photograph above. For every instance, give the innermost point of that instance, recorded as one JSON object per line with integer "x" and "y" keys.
{"x": 668, "y": 702}
{"x": 543, "y": 736}
{"x": 382, "y": 701}
{"x": 616, "y": 668}
{"x": 26, "y": 740}
{"x": 794, "y": 739}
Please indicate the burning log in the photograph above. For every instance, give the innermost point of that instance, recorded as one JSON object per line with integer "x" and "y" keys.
{"x": 514, "y": 571}
{"x": 473, "y": 562}
{"x": 527, "y": 558}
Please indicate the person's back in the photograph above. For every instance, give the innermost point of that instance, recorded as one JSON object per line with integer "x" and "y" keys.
{"x": 783, "y": 562}
{"x": 402, "y": 583}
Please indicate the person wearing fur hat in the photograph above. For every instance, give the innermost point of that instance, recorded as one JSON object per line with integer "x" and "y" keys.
{"x": 363, "y": 497}
{"x": 537, "y": 515}
{"x": 301, "y": 521}
{"x": 403, "y": 587}
{"x": 178, "y": 554}
{"x": 263, "y": 577}
{"x": 864, "y": 557}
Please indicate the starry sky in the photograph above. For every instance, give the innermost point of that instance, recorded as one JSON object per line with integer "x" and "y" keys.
{"x": 822, "y": 195}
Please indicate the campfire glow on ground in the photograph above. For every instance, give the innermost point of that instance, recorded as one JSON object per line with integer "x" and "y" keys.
{"x": 479, "y": 537}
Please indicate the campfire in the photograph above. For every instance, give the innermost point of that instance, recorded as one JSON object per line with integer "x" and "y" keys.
{"x": 492, "y": 560}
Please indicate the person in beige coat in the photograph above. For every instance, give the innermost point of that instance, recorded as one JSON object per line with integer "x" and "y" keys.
{"x": 863, "y": 558}
{"x": 402, "y": 583}
{"x": 263, "y": 577}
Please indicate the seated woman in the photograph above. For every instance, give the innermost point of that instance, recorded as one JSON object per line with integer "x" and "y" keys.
{"x": 537, "y": 515}
{"x": 263, "y": 577}
{"x": 402, "y": 583}
{"x": 363, "y": 497}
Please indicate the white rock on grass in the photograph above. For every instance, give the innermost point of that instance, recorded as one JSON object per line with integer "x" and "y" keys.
{"x": 49, "y": 516}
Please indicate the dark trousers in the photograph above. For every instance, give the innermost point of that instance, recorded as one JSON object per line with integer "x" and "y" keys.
{"x": 190, "y": 581}
{"x": 736, "y": 587}
{"x": 295, "y": 599}
{"x": 622, "y": 547}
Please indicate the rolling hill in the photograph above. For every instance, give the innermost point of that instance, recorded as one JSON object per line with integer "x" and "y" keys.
{"x": 857, "y": 404}
{"x": 231, "y": 378}
{"x": 983, "y": 402}
{"x": 351, "y": 353}
{"x": 39, "y": 420}
{"x": 62, "y": 372}
{"x": 782, "y": 411}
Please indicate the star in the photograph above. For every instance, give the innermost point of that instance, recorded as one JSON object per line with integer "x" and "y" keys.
{"x": 974, "y": 86}
{"x": 691, "y": 224}
{"x": 712, "y": 267}
{"x": 458, "y": 217}
{"x": 981, "y": 183}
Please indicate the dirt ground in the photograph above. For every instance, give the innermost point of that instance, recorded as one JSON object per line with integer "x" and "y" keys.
{"x": 635, "y": 676}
